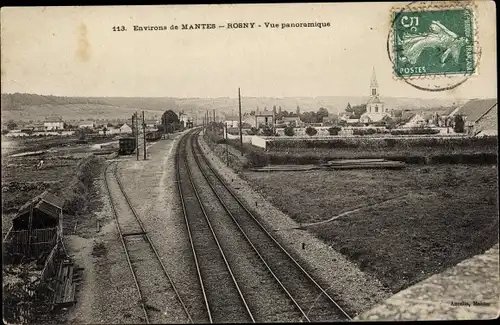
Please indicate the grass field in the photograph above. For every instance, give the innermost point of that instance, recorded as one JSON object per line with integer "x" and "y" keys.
{"x": 410, "y": 223}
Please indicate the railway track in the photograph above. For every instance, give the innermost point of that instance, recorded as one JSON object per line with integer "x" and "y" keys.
{"x": 223, "y": 299}
{"x": 156, "y": 291}
{"x": 310, "y": 301}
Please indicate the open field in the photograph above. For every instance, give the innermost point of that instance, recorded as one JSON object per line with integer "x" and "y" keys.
{"x": 22, "y": 180}
{"x": 406, "y": 225}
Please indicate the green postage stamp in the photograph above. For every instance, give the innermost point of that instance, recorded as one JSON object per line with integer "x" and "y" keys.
{"x": 432, "y": 41}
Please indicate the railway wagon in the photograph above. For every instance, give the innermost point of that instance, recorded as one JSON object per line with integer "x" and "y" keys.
{"x": 153, "y": 135}
{"x": 127, "y": 146}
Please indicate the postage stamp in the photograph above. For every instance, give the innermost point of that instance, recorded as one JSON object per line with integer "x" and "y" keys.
{"x": 433, "y": 41}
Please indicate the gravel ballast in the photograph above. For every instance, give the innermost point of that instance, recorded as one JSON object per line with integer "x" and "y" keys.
{"x": 152, "y": 189}
{"x": 354, "y": 290}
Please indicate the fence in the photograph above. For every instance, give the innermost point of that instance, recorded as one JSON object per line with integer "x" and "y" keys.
{"x": 18, "y": 242}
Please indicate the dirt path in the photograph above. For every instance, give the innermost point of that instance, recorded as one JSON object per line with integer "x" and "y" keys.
{"x": 107, "y": 293}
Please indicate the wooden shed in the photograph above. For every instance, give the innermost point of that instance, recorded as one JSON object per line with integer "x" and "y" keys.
{"x": 36, "y": 229}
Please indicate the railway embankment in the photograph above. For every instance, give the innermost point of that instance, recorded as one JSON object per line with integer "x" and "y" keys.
{"x": 353, "y": 289}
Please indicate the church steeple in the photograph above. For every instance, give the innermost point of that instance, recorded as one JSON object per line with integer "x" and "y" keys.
{"x": 374, "y": 84}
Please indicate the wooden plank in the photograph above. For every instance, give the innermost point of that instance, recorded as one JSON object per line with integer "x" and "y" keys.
{"x": 355, "y": 161}
{"x": 369, "y": 166}
{"x": 70, "y": 275}
{"x": 73, "y": 293}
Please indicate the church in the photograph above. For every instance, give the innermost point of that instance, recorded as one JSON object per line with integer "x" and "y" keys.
{"x": 375, "y": 108}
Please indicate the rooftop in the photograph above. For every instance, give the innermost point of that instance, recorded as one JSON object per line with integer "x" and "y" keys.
{"x": 475, "y": 108}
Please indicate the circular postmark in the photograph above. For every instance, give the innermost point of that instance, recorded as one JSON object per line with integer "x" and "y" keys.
{"x": 433, "y": 46}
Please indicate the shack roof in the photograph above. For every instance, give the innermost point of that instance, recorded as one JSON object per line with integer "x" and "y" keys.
{"x": 476, "y": 108}
{"x": 45, "y": 202}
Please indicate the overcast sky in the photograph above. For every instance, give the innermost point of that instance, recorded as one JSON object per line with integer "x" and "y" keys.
{"x": 72, "y": 51}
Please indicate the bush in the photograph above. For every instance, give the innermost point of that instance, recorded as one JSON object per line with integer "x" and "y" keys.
{"x": 459, "y": 124}
{"x": 310, "y": 131}
{"x": 376, "y": 144}
{"x": 334, "y": 130}
{"x": 252, "y": 131}
{"x": 368, "y": 131}
{"x": 414, "y": 131}
{"x": 267, "y": 131}
{"x": 289, "y": 131}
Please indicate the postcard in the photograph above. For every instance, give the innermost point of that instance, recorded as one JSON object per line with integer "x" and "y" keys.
{"x": 299, "y": 162}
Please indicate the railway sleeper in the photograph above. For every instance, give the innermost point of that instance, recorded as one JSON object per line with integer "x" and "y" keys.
{"x": 138, "y": 233}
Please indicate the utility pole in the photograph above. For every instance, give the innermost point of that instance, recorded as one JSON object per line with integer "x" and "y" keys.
{"x": 227, "y": 152}
{"x": 137, "y": 135}
{"x": 144, "y": 133}
{"x": 241, "y": 133}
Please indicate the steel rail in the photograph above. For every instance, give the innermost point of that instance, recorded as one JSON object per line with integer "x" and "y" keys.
{"x": 200, "y": 278}
{"x": 190, "y": 176}
{"x": 146, "y": 237}
{"x": 123, "y": 243}
{"x": 246, "y": 237}
{"x": 216, "y": 174}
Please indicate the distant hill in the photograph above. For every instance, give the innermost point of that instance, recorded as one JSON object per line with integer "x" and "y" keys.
{"x": 27, "y": 107}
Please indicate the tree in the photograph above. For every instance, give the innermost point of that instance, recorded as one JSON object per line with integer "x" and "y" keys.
{"x": 459, "y": 124}
{"x": 310, "y": 131}
{"x": 334, "y": 130}
{"x": 104, "y": 130}
{"x": 169, "y": 121}
{"x": 356, "y": 110}
{"x": 109, "y": 125}
{"x": 322, "y": 112}
{"x": 289, "y": 131}
{"x": 11, "y": 125}
{"x": 348, "y": 107}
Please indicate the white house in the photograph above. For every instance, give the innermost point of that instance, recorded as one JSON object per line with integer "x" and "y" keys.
{"x": 232, "y": 121}
{"x": 125, "y": 128}
{"x": 89, "y": 125}
{"x": 53, "y": 123}
{"x": 353, "y": 121}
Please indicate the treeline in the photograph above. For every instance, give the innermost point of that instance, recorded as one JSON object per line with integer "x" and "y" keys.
{"x": 16, "y": 100}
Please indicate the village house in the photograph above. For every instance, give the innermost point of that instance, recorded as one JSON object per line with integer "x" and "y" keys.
{"x": 52, "y": 123}
{"x": 152, "y": 123}
{"x": 249, "y": 121}
{"x": 421, "y": 119}
{"x": 294, "y": 121}
{"x": 480, "y": 116}
{"x": 232, "y": 121}
{"x": 185, "y": 119}
{"x": 125, "y": 129}
{"x": 264, "y": 118}
{"x": 89, "y": 125}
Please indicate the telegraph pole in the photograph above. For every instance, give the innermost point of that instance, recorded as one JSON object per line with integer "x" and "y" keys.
{"x": 144, "y": 133}
{"x": 137, "y": 135}
{"x": 227, "y": 152}
{"x": 241, "y": 133}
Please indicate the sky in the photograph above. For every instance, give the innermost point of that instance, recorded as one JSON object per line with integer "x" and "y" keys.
{"x": 73, "y": 51}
